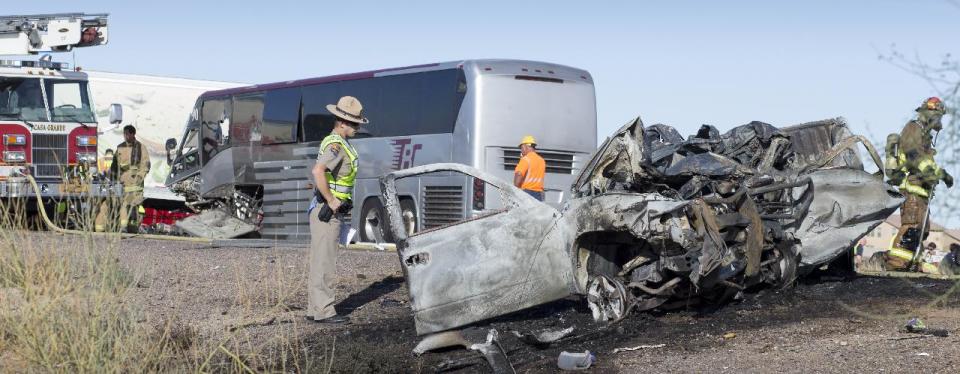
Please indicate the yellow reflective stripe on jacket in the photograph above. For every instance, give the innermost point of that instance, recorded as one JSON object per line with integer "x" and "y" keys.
{"x": 908, "y": 187}
{"x": 342, "y": 187}
{"x": 901, "y": 253}
{"x": 929, "y": 163}
{"x": 132, "y": 189}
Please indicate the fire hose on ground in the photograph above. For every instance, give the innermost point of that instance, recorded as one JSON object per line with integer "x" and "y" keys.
{"x": 53, "y": 227}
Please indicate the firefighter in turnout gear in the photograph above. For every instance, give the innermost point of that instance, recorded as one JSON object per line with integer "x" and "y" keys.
{"x": 916, "y": 173}
{"x": 131, "y": 163}
{"x": 333, "y": 175}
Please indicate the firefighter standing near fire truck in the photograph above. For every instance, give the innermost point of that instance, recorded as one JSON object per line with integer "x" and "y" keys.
{"x": 334, "y": 175}
{"x": 911, "y": 166}
{"x": 130, "y": 165}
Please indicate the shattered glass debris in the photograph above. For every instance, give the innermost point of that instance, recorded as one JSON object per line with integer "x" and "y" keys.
{"x": 655, "y": 221}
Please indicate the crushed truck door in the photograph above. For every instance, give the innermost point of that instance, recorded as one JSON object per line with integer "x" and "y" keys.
{"x": 502, "y": 261}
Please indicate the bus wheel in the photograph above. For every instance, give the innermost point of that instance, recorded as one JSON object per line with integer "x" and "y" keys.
{"x": 374, "y": 227}
{"x": 408, "y": 211}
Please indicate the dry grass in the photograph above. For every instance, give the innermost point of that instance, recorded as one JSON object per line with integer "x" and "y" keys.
{"x": 64, "y": 309}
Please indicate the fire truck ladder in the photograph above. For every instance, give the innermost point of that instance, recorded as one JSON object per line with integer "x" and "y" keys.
{"x": 32, "y": 34}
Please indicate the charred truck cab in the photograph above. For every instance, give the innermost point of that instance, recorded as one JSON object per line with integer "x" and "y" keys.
{"x": 655, "y": 220}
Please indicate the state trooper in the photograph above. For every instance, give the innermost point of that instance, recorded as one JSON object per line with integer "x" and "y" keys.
{"x": 333, "y": 175}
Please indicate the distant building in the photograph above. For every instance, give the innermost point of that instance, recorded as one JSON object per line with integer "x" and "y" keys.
{"x": 157, "y": 106}
{"x": 880, "y": 238}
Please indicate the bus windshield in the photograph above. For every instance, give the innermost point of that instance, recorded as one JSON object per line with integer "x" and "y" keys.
{"x": 69, "y": 101}
{"x": 21, "y": 99}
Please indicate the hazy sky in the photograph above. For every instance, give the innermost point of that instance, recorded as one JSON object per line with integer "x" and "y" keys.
{"x": 682, "y": 63}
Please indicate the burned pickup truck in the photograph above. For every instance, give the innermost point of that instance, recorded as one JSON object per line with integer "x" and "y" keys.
{"x": 653, "y": 219}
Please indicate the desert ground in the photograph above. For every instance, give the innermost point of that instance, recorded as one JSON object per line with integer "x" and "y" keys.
{"x": 828, "y": 322}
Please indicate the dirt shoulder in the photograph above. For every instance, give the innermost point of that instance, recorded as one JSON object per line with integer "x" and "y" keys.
{"x": 257, "y": 296}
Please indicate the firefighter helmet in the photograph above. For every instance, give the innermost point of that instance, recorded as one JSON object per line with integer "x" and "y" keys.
{"x": 933, "y": 104}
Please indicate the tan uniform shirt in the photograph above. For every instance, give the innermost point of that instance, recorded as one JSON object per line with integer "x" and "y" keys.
{"x": 335, "y": 159}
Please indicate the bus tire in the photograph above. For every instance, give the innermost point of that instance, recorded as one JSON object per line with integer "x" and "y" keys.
{"x": 373, "y": 225}
{"x": 408, "y": 212}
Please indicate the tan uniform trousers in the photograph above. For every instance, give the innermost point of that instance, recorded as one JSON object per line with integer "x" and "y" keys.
{"x": 322, "y": 276}
{"x": 115, "y": 215}
{"x": 911, "y": 216}
{"x": 114, "y": 211}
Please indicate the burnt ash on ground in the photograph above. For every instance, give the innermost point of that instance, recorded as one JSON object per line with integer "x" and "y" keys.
{"x": 386, "y": 345}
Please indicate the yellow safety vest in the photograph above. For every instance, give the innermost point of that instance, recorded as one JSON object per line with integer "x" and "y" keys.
{"x": 103, "y": 164}
{"x": 342, "y": 188}
{"x": 925, "y": 164}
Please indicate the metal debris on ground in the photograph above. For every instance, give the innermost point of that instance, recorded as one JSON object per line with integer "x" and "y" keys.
{"x": 215, "y": 224}
{"x": 489, "y": 347}
{"x": 639, "y": 347}
{"x": 917, "y": 326}
{"x": 390, "y": 302}
{"x": 575, "y": 360}
{"x": 543, "y": 338}
{"x": 730, "y": 335}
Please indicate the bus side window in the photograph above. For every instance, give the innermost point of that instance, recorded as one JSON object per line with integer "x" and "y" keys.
{"x": 419, "y": 103}
{"x": 400, "y": 104}
{"x": 368, "y": 91}
{"x": 441, "y": 94}
{"x": 317, "y": 122}
{"x": 247, "y": 117}
{"x": 215, "y": 126}
{"x": 280, "y": 116}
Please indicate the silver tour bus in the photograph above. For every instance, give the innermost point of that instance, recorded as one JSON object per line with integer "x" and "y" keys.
{"x": 248, "y": 151}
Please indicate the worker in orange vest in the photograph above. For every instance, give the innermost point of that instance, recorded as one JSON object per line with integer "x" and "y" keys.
{"x": 528, "y": 175}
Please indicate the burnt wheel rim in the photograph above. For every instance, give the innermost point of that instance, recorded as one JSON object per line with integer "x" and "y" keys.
{"x": 607, "y": 299}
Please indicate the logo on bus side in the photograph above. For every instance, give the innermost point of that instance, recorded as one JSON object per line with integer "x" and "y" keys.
{"x": 404, "y": 153}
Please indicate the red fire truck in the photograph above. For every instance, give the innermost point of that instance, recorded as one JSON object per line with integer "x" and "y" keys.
{"x": 47, "y": 119}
